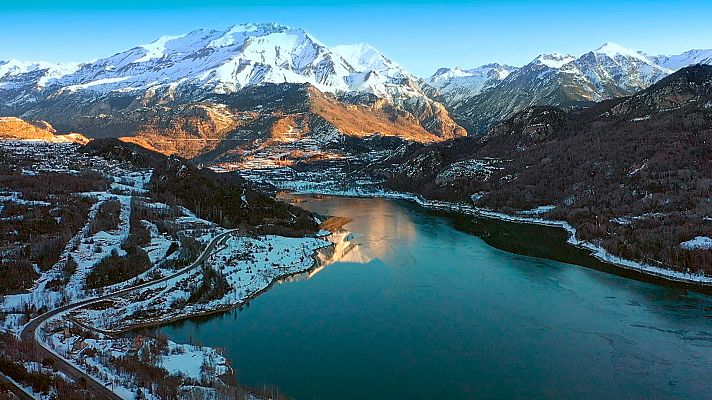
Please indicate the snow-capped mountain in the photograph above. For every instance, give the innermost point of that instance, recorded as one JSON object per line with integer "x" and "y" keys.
{"x": 214, "y": 61}
{"x": 195, "y": 84}
{"x": 563, "y": 80}
{"x": 457, "y": 84}
{"x": 553, "y": 60}
{"x": 16, "y": 67}
{"x": 371, "y": 72}
{"x": 612, "y": 68}
{"x": 184, "y": 69}
{"x": 682, "y": 60}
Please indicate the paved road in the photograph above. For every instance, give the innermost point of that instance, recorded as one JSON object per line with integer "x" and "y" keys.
{"x": 16, "y": 390}
{"x": 29, "y": 333}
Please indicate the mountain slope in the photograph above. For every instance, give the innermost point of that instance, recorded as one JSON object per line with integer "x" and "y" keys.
{"x": 227, "y": 127}
{"x": 632, "y": 174}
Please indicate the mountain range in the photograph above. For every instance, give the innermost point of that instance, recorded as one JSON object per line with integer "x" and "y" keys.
{"x": 481, "y": 97}
{"x": 614, "y": 142}
{"x": 188, "y": 94}
{"x": 205, "y": 60}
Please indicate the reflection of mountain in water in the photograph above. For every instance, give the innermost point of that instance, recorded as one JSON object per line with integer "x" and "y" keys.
{"x": 378, "y": 222}
{"x": 343, "y": 250}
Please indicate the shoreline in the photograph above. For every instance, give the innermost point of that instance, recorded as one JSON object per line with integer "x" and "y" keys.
{"x": 695, "y": 281}
{"x": 316, "y": 263}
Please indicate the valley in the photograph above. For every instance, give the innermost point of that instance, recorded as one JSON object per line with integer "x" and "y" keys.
{"x": 230, "y": 213}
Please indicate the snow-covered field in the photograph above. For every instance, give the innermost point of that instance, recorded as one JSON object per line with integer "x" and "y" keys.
{"x": 91, "y": 249}
{"x": 87, "y": 250}
{"x": 698, "y": 243}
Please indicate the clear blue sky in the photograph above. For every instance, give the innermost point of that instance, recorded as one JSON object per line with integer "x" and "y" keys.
{"x": 421, "y": 35}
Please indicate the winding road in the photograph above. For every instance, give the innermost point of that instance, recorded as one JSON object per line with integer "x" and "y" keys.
{"x": 30, "y": 332}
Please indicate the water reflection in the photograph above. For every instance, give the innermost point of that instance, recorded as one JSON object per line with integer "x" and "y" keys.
{"x": 345, "y": 249}
{"x": 378, "y": 222}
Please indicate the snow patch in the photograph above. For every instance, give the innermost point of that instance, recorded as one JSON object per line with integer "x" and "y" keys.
{"x": 555, "y": 60}
{"x": 698, "y": 243}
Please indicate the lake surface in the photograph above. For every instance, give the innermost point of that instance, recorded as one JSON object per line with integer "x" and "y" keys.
{"x": 420, "y": 310}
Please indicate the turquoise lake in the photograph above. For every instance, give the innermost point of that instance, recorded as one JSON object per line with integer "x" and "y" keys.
{"x": 421, "y": 310}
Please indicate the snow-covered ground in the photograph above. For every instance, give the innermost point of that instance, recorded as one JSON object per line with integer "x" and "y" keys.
{"x": 87, "y": 250}
{"x": 98, "y": 354}
{"x": 91, "y": 249}
{"x": 248, "y": 264}
{"x": 266, "y": 258}
{"x": 538, "y": 210}
{"x": 187, "y": 360}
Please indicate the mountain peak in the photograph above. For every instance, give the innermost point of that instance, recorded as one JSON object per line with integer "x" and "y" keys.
{"x": 614, "y": 50}
{"x": 440, "y": 71}
{"x": 449, "y": 73}
{"x": 238, "y": 33}
{"x": 362, "y": 55}
{"x": 15, "y": 67}
{"x": 258, "y": 27}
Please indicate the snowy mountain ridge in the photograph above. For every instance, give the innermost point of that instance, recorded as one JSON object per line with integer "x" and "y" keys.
{"x": 208, "y": 60}
{"x": 13, "y": 69}
{"x": 680, "y": 61}
{"x": 559, "y": 80}
{"x": 554, "y": 60}
{"x": 596, "y": 72}
{"x": 194, "y": 66}
{"x": 225, "y": 61}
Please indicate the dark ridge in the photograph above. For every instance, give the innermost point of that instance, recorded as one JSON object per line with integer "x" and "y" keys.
{"x": 633, "y": 174}
{"x": 212, "y": 196}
